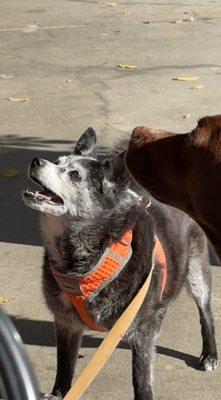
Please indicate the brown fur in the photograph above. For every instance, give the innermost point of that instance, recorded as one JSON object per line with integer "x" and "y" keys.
{"x": 182, "y": 170}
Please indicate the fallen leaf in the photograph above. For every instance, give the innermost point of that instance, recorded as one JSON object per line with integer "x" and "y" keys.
{"x": 5, "y": 76}
{"x": 18, "y": 99}
{"x": 10, "y": 173}
{"x": 180, "y": 21}
{"x": 146, "y": 22}
{"x": 186, "y": 78}
{"x": 177, "y": 21}
{"x": 197, "y": 87}
{"x": 111, "y": 4}
{"x": 4, "y": 299}
{"x": 127, "y": 13}
{"x": 30, "y": 28}
{"x": 187, "y": 115}
{"x": 127, "y": 66}
{"x": 191, "y": 13}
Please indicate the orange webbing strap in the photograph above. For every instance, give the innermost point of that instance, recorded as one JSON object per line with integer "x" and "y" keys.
{"x": 115, "y": 257}
{"x": 161, "y": 260}
{"x": 80, "y": 307}
{"x": 108, "y": 267}
{"x": 110, "y": 342}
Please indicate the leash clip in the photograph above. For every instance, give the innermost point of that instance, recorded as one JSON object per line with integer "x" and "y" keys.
{"x": 141, "y": 202}
{"x": 147, "y": 205}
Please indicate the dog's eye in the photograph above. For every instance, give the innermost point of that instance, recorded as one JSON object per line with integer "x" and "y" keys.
{"x": 56, "y": 162}
{"x": 75, "y": 176}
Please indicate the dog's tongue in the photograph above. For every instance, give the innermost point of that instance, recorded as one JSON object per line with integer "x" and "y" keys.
{"x": 46, "y": 194}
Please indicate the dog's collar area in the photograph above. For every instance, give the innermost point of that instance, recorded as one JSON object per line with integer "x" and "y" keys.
{"x": 145, "y": 203}
{"x": 81, "y": 289}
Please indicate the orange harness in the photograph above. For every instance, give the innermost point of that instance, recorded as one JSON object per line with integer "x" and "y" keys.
{"x": 81, "y": 289}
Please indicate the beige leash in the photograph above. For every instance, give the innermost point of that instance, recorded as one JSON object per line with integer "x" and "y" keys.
{"x": 109, "y": 343}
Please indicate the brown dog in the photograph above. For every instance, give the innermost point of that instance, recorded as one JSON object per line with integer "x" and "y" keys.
{"x": 183, "y": 170}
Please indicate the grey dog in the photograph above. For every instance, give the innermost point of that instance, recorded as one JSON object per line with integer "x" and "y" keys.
{"x": 86, "y": 205}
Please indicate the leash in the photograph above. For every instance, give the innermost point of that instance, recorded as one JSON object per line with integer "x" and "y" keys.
{"x": 109, "y": 343}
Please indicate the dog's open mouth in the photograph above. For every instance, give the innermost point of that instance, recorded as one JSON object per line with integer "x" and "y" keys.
{"x": 44, "y": 196}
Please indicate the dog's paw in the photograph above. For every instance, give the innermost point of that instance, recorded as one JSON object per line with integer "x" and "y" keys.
{"x": 47, "y": 396}
{"x": 208, "y": 362}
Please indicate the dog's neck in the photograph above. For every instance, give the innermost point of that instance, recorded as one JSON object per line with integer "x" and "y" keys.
{"x": 76, "y": 245}
{"x": 52, "y": 229}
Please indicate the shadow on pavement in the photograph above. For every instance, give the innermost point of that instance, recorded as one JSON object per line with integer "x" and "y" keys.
{"x": 19, "y": 224}
{"x": 41, "y": 333}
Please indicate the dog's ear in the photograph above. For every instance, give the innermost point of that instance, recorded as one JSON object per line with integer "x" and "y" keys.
{"x": 207, "y": 134}
{"x": 115, "y": 171}
{"x": 86, "y": 145}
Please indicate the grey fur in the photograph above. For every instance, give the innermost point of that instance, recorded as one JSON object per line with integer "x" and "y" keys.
{"x": 96, "y": 209}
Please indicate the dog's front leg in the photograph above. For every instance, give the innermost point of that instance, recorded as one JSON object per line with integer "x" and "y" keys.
{"x": 68, "y": 343}
{"x": 142, "y": 359}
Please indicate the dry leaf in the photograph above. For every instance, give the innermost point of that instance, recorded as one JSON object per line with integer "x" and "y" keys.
{"x": 177, "y": 21}
{"x": 187, "y": 115}
{"x": 127, "y": 66}
{"x": 30, "y": 28}
{"x": 146, "y": 22}
{"x": 127, "y": 13}
{"x": 180, "y": 21}
{"x": 18, "y": 99}
{"x": 188, "y": 20}
{"x": 10, "y": 173}
{"x": 197, "y": 87}
{"x": 186, "y": 78}
{"x": 190, "y": 13}
{"x": 111, "y": 4}
{"x": 4, "y": 299}
{"x": 5, "y": 76}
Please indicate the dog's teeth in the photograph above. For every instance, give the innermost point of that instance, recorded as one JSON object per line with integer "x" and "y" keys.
{"x": 29, "y": 191}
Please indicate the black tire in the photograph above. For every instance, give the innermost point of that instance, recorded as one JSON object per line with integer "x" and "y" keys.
{"x": 16, "y": 378}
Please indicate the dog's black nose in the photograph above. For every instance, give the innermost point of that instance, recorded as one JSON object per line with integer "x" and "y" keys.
{"x": 37, "y": 162}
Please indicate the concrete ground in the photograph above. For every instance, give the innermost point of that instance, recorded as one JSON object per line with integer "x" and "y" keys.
{"x": 63, "y": 56}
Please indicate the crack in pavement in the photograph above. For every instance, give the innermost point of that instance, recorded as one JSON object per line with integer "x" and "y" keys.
{"x": 34, "y": 28}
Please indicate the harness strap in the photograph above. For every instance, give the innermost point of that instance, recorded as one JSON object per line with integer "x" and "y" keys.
{"x": 81, "y": 289}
